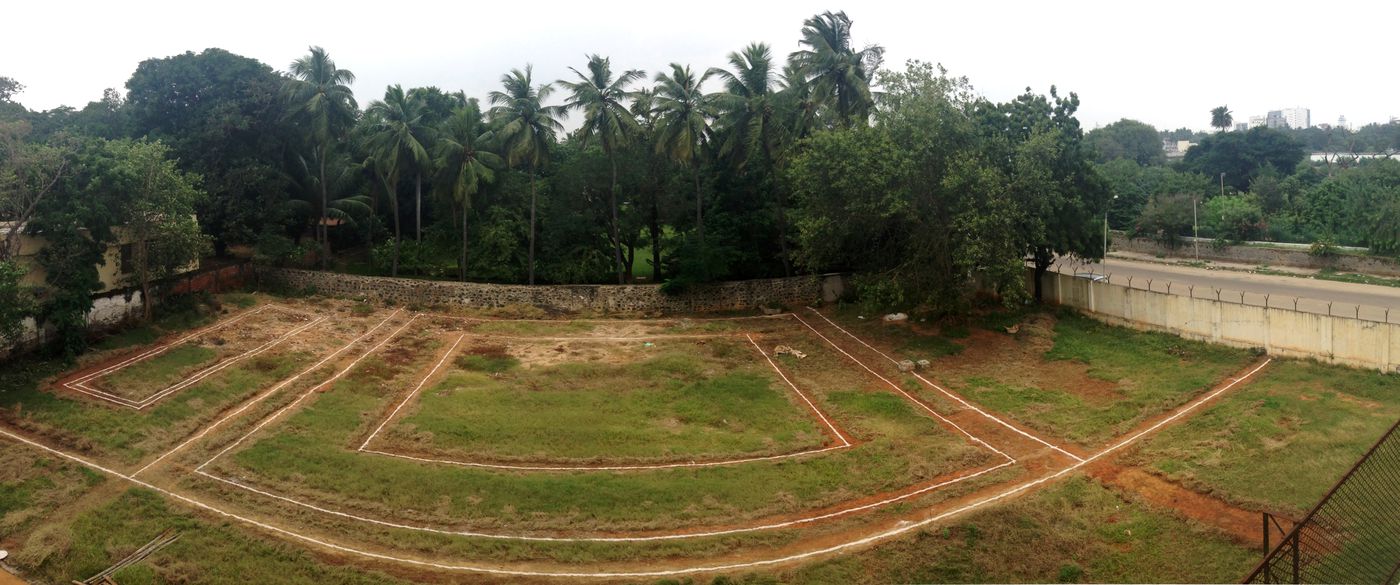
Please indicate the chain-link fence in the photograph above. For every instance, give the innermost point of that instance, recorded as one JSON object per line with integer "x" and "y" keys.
{"x": 1353, "y": 534}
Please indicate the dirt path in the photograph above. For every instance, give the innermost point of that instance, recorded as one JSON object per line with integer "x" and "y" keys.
{"x": 1241, "y": 524}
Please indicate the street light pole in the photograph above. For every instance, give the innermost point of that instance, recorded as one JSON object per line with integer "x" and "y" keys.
{"x": 1195, "y": 230}
{"x": 1105, "y": 234}
{"x": 1222, "y": 184}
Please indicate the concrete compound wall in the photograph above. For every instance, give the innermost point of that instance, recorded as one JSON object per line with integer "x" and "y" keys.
{"x": 1278, "y": 331}
{"x": 633, "y": 298}
{"x": 1261, "y": 255}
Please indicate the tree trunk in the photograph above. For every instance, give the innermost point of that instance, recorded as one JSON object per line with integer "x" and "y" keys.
{"x": 655, "y": 235}
{"x": 462, "y": 271}
{"x": 324, "y": 231}
{"x": 531, "y": 262}
{"x": 418, "y": 204}
{"x": 394, "y": 205}
{"x": 617, "y": 241}
{"x": 143, "y": 265}
{"x": 782, "y": 232}
{"x": 699, "y": 203}
{"x": 1042, "y": 266}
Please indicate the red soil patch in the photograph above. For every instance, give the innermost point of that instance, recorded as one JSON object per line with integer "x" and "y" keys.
{"x": 1019, "y": 360}
{"x": 1243, "y": 525}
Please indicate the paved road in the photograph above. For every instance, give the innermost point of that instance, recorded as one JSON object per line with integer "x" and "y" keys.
{"x": 1364, "y": 300}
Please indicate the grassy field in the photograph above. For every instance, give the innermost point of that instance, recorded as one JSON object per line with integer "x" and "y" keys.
{"x": 1282, "y": 441}
{"x": 660, "y": 399}
{"x": 1074, "y": 532}
{"x": 665, "y": 401}
{"x": 145, "y": 377}
{"x": 122, "y": 433}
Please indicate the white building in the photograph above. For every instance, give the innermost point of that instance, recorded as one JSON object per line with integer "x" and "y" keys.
{"x": 1256, "y": 121}
{"x": 1299, "y": 117}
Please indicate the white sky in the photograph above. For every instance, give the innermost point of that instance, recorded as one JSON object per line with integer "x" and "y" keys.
{"x": 1166, "y": 63}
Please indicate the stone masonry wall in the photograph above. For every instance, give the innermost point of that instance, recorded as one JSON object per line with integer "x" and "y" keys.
{"x": 1260, "y": 255}
{"x": 634, "y": 298}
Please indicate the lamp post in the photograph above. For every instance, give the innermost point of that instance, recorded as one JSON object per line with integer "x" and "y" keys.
{"x": 1105, "y": 233}
{"x": 1222, "y": 184}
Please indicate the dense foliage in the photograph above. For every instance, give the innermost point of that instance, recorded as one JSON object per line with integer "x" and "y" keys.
{"x": 767, "y": 165}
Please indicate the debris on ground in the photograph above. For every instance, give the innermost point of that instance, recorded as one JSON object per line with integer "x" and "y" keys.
{"x": 906, "y": 366}
{"x": 923, "y": 364}
{"x": 648, "y": 344}
{"x": 860, "y": 316}
{"x": 1014, "y": 329}
{"x": 785, "y": 350}
{"x": 768, "y": 311}
{"x": 896, "y": 317}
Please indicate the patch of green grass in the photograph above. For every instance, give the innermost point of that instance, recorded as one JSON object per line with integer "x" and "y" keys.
{"x": 487, "y": 363}
{"x": 307, "y": 453}
{"x": 1153, "y": 373}
{"x": 206, "y": 552}
{"x": 32, "y": 486}
{"x": 908, "y": 342}
{"x": 240, "y": 300}
{"x": 674, "y": 403}
{"x": 121, "y": 432}
{"x": 150, "y": 375}
{"x": 1280, "y": 442}
{"x": 1000, "y": 321}
{"x": 1076, "y": 530}
{"x": 1330, "y": 274}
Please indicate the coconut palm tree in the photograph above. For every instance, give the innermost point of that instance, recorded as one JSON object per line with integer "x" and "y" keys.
{"x": 397, "y": 138}
{"x": 747, "y": 125}
{"x": 600, "y": 95}
{"x": 683, "y": 122}
{"x": 464, "y": 163}
{"x": 1221, "y": 118}
{"x": 526, "y": 130}
{"x": 321, "y": 99}
{"x": 840, "y": 75}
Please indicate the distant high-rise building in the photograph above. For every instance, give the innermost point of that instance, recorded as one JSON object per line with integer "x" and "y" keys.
{"x": 1275, "y": 120}
{"x": 1241, "y": 127}
{"x": 1256, "y": 121}
{"x": 1297, "y": 117}
{"x": 1342, "y": 122}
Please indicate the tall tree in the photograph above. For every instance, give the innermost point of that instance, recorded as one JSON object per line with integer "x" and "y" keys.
{"x": 750, "y": 125}
{"x": 1221, "y": 118}
{"x": 840, "y": 75}
{"x": 321, "y": 99}
{"x": 157, "y": 214}
{"x": 465, "y": 164}
{"x": 527, "y": 129}
{"x": 222, "y": 118}
{"x": 1128, "y": 139}
{"x": 397, "y": 139}
{"x": 600, "y": 95}
{"x": 683, "y": 120}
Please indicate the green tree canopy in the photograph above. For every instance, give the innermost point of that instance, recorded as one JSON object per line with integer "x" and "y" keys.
{"x": 1128, "y": 139}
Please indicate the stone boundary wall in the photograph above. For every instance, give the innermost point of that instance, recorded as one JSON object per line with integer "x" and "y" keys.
{"x": 596, "y": 298}
{"x": 1278, "y": 331}
{"x": 1377, "y": 265}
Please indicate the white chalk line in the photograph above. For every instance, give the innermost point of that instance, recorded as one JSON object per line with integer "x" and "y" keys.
{"x": 413, "y": 393}
{"x": 81, "y": 384}
{"x": 666, "y": 572}
{"x": 364, "y": 447}
{"x": 260, "y": 397}
{"x": 661, "y": 537}
{"x": 216, "y": 368}
{"x": 951, "y": 395}
{"x": 313, "y": 389}
{"x": 906, "y": 395}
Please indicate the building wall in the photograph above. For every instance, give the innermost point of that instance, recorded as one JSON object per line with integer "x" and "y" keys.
{"x": 1277, "y": 331}
{"x": 636, "y": 298}
{"x": 109, "y": 272}
{"x": 1259, "y": 255}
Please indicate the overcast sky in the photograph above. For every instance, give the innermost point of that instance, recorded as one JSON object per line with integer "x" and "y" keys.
{"x": 1166, "y": 63}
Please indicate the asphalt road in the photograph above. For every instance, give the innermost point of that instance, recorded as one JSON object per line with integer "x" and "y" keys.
{"x": 1364, "y": 300}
